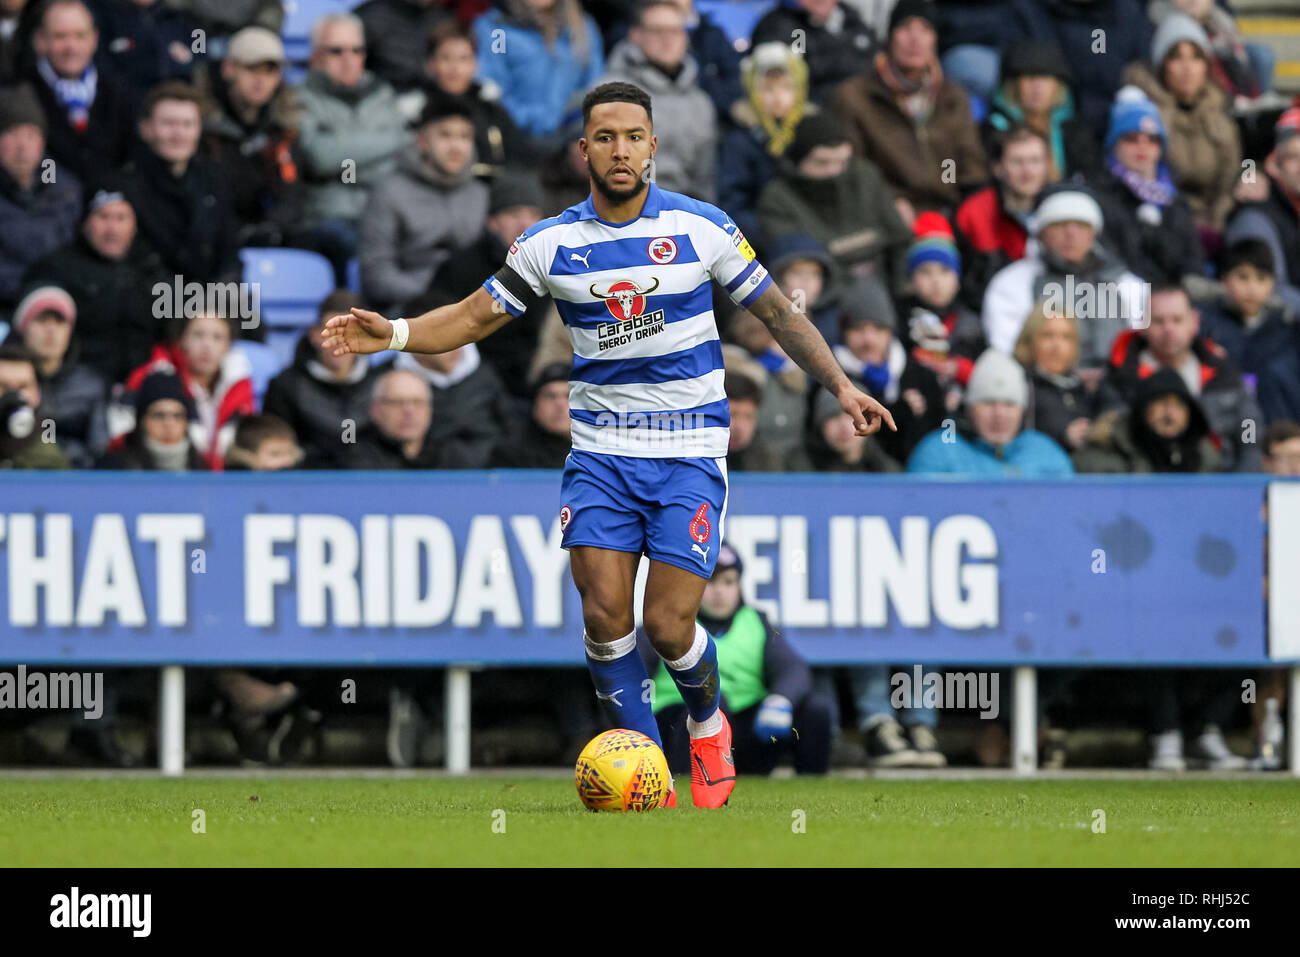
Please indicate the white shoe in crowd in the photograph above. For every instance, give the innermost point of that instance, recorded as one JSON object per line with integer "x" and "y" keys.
{"x": 1214, "y": 751}
{"x": 1167, "y": 752}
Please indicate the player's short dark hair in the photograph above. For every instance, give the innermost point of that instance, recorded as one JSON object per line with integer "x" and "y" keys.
{"x": 338, "y": 303}
{"x": 253, "y": 430}
{"x": 1016, "y": 133}
{"x": 741, "y": 388}
{"x": 615, "y": 92}
{"x": 446, "y": 30}
{"x": 1283, "y": 430}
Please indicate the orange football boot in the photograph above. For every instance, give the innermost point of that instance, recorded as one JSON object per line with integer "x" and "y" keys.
{"x": 713, "y": 771}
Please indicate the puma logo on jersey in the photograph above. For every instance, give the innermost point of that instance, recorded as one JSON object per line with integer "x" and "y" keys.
{"x": 581, "y": 259}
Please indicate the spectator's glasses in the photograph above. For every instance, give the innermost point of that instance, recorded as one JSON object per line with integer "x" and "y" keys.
{"x": 413, "y": 403}
{"x": 162, "y": 415}
{"x": 339, "y": 51}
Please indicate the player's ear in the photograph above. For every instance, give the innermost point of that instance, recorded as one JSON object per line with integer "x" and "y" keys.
{"x": 654, "y": 143}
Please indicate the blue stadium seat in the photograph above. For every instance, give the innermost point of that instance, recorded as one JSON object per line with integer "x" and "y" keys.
{"x": 266, "y": 363}
{"x": 737, "y": 18}
{"x": 291, "y": 283}
{"x": 299, "y": 15}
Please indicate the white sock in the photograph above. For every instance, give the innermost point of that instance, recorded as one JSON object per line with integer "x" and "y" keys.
{"x": 694, "y": 653}
{"x": 609, "y": 650}
{"x": 697, "y": 729}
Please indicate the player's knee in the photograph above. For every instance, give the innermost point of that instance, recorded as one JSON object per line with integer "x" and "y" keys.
{"x": 605, "y": 622}
{"x": 670, "y": 632}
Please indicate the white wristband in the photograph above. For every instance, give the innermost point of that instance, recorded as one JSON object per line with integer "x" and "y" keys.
{"x": 401, "y": 332}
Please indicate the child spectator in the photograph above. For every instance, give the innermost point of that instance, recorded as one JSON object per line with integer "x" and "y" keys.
{"x": 1204, "y": 147}
{"x": 1061, "y": 405}
{"x": 991, "y": 440}
{"x": 263, "y": 443}
{"x": 1173, "y": 341}
{"x": 809, "y": 277}
{"x": 776, "y": 79}
{"x": 748, "y": 451}
{"x": 1259, "y": 333}
{"x": 72, "y": 395}
{"x": 215, "y": 376}
{"x": 941, "y": 333}
{"x": 873, "y": 355}
{"x": 782, "y": 385}
{"x": 993, "y": 223}
{"x": 1035, "y": 92}
{"x": 767, "y": 688}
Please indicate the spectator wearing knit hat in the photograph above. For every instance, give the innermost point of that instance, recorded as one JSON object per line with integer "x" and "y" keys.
{"x": 824, "y": 191}
{"x": 1276, "y": 218}
{"x": 762, "y": 126}
{"x": 992, "y": 224}
{"x": 1147, "y": 222}
{"x": 90, "y": 116}
{"x": 160, "y": 441}
{"x": 1070, "y": 266}
{"x": 874, "y": 357}
{"x": 514, "y": 205}
{"x": 990, "y": 440}
{"x": 110, "y": 271}
{"x": 542, "y": 441}
{"x": 939, "y": 330}
{"x": 1260, "y": 333}
{"x": 1203, "y": 145}
{"x": 1242, "y": 70}
{"x": 1035, "y": 92}
{"x": 38, "y": 212}
{"x": 836, "y": 42}
{"x": 73, "y": 395}
{"x": 914, "y": 124}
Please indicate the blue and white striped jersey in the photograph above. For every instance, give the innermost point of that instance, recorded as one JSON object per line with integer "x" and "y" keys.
{"x": 637, "y": 299}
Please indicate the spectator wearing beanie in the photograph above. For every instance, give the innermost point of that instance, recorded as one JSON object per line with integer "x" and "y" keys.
{"x": 1061, "y": 405}
{"x": 875, "y": 358}
{"x": 1258, "y": 331}
{"x": 992, "y": 224}
{"x": 655, "y": 58}
{"x": 991, "y": 439}
{"x": 542, "y": 440}
{"x": 250, "y": 128}
{"x": 320, "y": 392}
{"x": 216, "y": 377}
{"x": 763, "y": 126}
{"x": 1163, "y": 429}
{"x": 38, "y": 213}
{"x": 1147, "y": 222}
{"x": 836, "y": 44}
{"x": 90, "y": 117}
{"x": 1203, "y": 145}
{"x": 110, "y": 271}
{"x": 72, "y": 394}
{"x": 767, "y": 687}
{"x": 160, "y": 441}
{"x": 1276, "y": 217}
{"x": 429, "y": 208}
{"x": 514, "y": 206}
{"x": 1035, "y": 92}
{"x": 941, "y": 333}
{"x": 910, "y": 121}
{"x": 1241, "y": 70}
{"x": 472, "y": 409}
{"x": 1068, "y": 255}
{"x": 1173, "y": 341}
{"x": 838, "y": 199}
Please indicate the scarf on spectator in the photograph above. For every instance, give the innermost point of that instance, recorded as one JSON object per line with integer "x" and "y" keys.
{"x": 75, "y": 96}
{"x": 169, "y": 458}
{"x": 915, "y": 98}
{"x": 883, "y": 380}
{"x": 780, "y": 131}
{"x": 1159, "y": 192}
{"x": 772, "y": 360}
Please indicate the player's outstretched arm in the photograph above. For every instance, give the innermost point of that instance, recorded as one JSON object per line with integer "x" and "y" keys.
{"x": 805, "y": 345}
{"x": 437, "y": 331}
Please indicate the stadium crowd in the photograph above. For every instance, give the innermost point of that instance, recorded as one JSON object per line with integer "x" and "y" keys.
{"x": 1044, "y": 256}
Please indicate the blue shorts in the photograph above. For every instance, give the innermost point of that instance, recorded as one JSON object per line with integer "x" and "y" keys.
{"x": 669, "y": 509}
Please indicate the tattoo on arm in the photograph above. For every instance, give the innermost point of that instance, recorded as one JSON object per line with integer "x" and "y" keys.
{"x": 799, "y": 338}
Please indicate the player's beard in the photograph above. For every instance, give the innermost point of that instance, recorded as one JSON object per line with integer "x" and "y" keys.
{"x": 609, "y": 192}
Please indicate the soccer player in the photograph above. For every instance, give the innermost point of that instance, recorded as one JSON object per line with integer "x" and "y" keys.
{"x": 630, "y": 270}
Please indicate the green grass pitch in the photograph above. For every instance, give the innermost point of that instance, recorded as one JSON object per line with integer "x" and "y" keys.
{"x": 432, "y": 821}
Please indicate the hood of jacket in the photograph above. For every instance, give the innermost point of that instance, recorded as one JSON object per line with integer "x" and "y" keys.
{"x": 413, "y": 162}
{"x": 626, "y": 59}
{"x": 320, "y": 82}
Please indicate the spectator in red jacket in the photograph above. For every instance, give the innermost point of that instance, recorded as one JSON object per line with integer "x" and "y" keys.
{"x": 992, "y": 224}
{"x": 216, "y": 377}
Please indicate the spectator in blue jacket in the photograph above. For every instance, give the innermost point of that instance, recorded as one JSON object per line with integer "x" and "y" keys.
{"x": 543, "y": 54}
{"x": 991, "y": 441}
{"x": 767, "y": 688}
